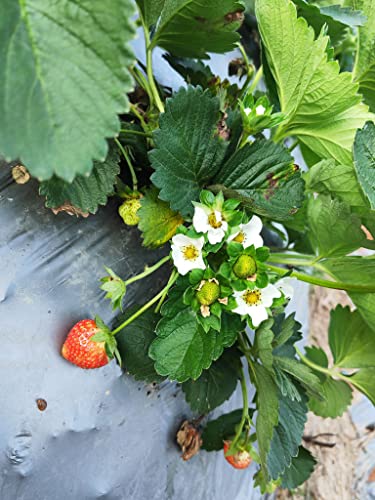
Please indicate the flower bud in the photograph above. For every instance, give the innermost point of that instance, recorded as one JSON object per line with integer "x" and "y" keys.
{"x": 245, "y": 266}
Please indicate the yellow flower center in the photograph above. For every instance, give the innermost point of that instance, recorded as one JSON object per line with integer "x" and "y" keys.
{"x": 240, "y": 238}
{"x": 190, "y": 252}
{"x": 213, "y": 222}
{"x": 252, "y": 297}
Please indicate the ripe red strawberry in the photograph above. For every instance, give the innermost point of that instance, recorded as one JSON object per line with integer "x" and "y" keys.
{"x": 240, "y": 460}
{"x": 80, "y": 350}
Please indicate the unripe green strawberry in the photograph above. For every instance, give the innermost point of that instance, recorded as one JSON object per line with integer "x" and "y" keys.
{"x": 244, "y": 267}
{"x": 209, "y": 293}
{"x": 128, "y": 211}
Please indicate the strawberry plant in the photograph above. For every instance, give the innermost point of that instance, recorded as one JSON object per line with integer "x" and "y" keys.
{"x": 213, "y": 174}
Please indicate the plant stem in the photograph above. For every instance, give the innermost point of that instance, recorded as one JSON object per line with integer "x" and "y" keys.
{"x": 146, "y": 306}
{"x": 338, "y": 285}
{"x": 245, "y": 409}
{"x": 150, "y": 75}
{"x": 249, "y": 69}
{"x": 148, "y": 271}
{"x": 162, "y": 298}
{"x": 141, "y": 80}
{"x": 331, "y": 372}
{"x": 128, "y": 161}
{"x": 135, "y": 132}
{"x": 293, "y": 259}
{"x": 256, "y": 80}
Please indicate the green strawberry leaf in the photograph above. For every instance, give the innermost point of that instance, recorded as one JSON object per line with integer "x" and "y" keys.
{"x": 262, "y": 175}
{"x": 217, "y": 431}
{"x": 263, "y": 344}
{"x": 182, "y": 349}
{"x": 351, "y": 341}
{"x": 59, "y": 125}
{"x": 133, "y": 343}
{"x": 188, "y": 150}
{"x": 365, "y": 57}
{"x": 301, "y": 468}
{"x": 364, "y": 381}
{"x": 300, "y": 372}
{"x": 333, "y": 229}
{"x": 151, "y": 10}
{"x": 364, "y": 160}
{"x": 191, "y": 28}
{"x": 85, "y": 192}
{"x": 193, "y": 72}
{"x": 287, "y": 333}
{"x": 337, "y": 397}
{"x": 268, "y": 412}
{"x": 340, "y": 181}
{"x": 335, "y": 18}
{"x": 215, "y": 385}
{"x": 287, "y": 435}
{"x": 157, "y": 222}
{"x": 231, "y": 326}
{"x": 322, "y": 106}
{"x": 359, "y": 271}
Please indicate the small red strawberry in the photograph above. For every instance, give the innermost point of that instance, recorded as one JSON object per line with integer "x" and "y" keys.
{"x": 240, "y": 460}
{"x": 80, "y": 349}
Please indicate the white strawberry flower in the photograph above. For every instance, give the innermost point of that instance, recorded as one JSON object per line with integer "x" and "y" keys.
{"x": 285, "y": 285}
{"x": 209, "y": 221}
{"x": 247, "y": 111}
{"x": 254, "y": 303}
{"x": 187, "y": 253}
{"x": 249, "y": 234}
{"x": 260, "y": 110}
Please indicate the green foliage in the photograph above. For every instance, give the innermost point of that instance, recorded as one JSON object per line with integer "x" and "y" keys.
{"x": 231, "y": 326}
{"x": 151, "y": 10}
{"x": 191, "y": 28}
{"x": 362, "y": 270}
{"x": 58, "y": 125}
{"x": 115, "y": 288}
{"x": 287, "y": 435}
{"x": 351, "y": 341}
{"x": 337, "y": 397}
{"x": 268, "y": 412}
{"x": 85, "y": 192}
{"x": 364, "y": 160}
{"x": 263, "y": 343}
{"x": 333, "y": 229}
{"x": 262, "y": 175}
{"x": 300, "y": 470}
{"x": 301, "y": 373}
{"x": 133, "y": 343}
{"x": 182, "y": 349}
{"x": 327, "y": 177}
{"x": 188, "y": 151}
{"x": 365, "y": 60}
{"x": 157, "y": 222}
{"x": 335, "y": 18}
{"x": 215, "y": 385}
{"x": 364, "y": 380}
{"x": 216, "y": 431}
{"x": 322, "y": 105}
{"x": 193, "y": 72}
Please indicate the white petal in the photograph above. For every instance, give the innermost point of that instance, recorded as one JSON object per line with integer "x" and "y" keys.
{"x": 215, "y": 235}
{"x": 255, "y": 225}
{"x": 260, "y": 110}
{"x": 184, "y": 266}
{"x": 269, "y": 293}
{"x": 257, "y": 314}
{"x": 200, "y": 220}
{"x": 255, "y": 240}
{"x": 247, "y": 111}
{"x": 285, "y": 285}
